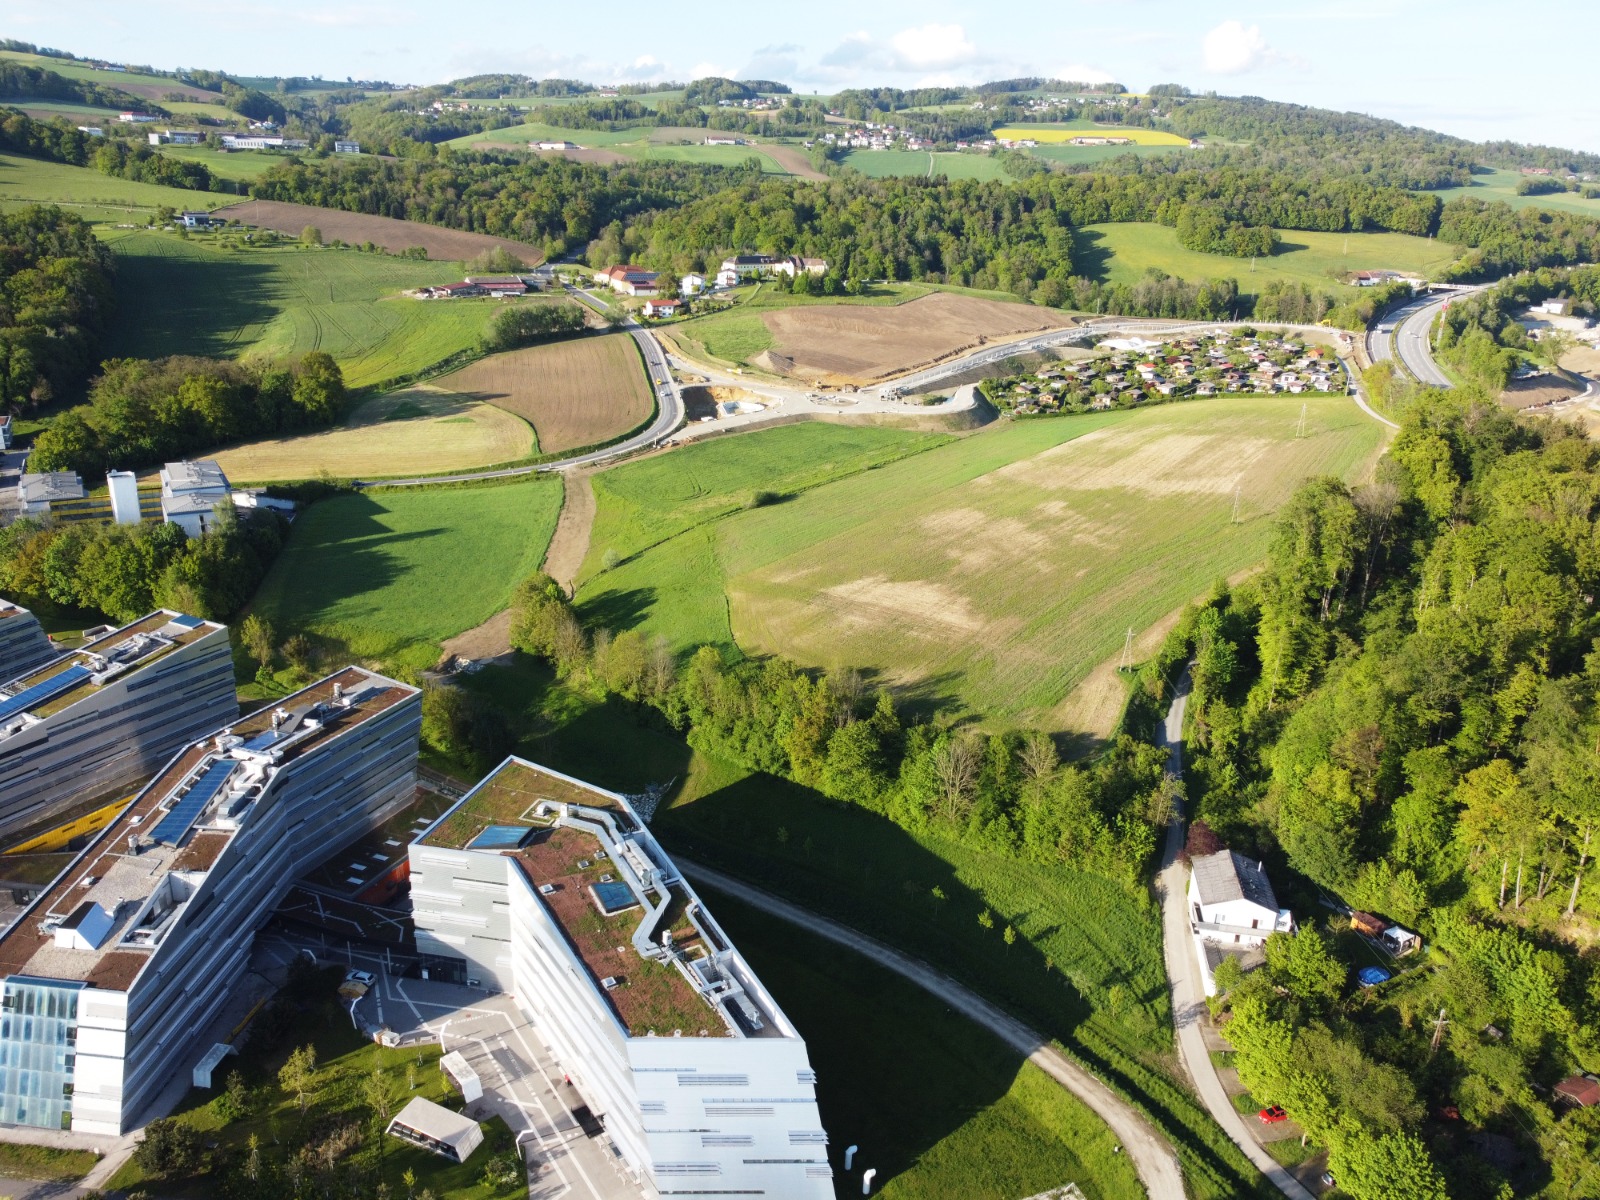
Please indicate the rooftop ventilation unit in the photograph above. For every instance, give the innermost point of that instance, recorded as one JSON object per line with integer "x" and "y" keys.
{"x": 611, "y": 983}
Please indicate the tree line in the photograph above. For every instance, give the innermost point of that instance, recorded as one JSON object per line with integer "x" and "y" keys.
{"x": 58, "y": 141}
{"x": 145, "y": 411}
{"x": 55, "y": 299}
{"x": 18, "y": 81}
{"x": 1401, "y": 710}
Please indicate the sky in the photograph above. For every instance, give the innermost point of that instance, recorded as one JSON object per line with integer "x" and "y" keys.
{"x": 1479, "y": 69}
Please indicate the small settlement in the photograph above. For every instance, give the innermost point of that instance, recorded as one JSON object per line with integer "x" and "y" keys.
{"x": 1130, "y": 371}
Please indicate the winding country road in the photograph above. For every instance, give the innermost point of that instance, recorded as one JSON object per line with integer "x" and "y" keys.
{"x": 1150, "y": 1153}
{"x": 1183, "y": 973}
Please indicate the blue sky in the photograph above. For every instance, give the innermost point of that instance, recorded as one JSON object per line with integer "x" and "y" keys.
{"x": 1476, "y": 68}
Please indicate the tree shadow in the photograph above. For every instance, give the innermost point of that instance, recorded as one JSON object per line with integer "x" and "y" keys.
{"x": 862, "y": 869}
{"x": 178, "y": 304}
{"x": 1091, "y": 257}
{"x": 617, "y": 609}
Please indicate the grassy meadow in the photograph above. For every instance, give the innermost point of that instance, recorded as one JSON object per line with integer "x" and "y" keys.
{"x": 1495, "y": 185}
{"x": 991, "y": 573}
{"x": 639, "y": 144}
{"x": 199, "y": 297}
{"x": 99, "y": 199}
{"x": 388, "y": 575}
{"x": 1122, "y": 253}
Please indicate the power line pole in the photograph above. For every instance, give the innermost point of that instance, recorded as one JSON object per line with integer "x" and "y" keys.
{"x": 1127, "y": 649}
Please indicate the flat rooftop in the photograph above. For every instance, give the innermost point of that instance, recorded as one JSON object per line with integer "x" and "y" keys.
{"x": 603, "y": 878}
{"x": 80, "y": 673}
{"x": 145, "y": 864}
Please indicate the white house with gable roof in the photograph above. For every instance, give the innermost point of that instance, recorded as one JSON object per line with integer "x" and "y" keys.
{"x": 1232, "y": 909}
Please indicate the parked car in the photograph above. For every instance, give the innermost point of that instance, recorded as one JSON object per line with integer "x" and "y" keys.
{"x": 1327, "y": 1179}
{"x": 356, "y": 984}
{"x": 1272, "y": 1115}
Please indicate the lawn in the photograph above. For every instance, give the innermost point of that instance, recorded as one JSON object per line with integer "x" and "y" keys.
{"x": 18, "y": 1161}
{"x": 1501, "y": 186}
{"x": 985, "y": 1125}
{"x": 201, "y": 297}
{"x": 1122, "y": 253}
{"x": 953, "y": 164}
{"x": 990, "y": 574}
{"x": 228, "y": 164}
{"x": 102, "y": 199}
{"x": 336, "y": 1105}
{"x": 388, "y": 575}
{"x": 636, "y": 143}
{"x": 420, "y": 431}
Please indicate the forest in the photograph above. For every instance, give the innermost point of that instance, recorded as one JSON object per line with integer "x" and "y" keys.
{"x": 55, "y": 298}
{"x": 1400, "y": 711}
{"x": 147, "y": 411}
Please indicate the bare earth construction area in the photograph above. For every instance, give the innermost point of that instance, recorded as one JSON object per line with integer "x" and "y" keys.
{"x": 575, "y": 393}
{"x": 860, "y": 344}
{"x": 393, "y": 235}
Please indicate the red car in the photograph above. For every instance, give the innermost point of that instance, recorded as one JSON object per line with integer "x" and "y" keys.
{"x": 1272, "y": 1115}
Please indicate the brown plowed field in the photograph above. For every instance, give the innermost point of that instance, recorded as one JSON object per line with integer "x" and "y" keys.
{"x": 574, "y": 393}
{"x": 856, "y": 343}
{"x": 793, "y": 159}
{"x": 394, "y": 236}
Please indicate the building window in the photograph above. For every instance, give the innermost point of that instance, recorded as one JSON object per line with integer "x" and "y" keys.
{"x": 38, "y": 1026}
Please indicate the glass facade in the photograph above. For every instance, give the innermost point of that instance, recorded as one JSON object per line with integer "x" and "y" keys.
{"x": 38, "y": 1044}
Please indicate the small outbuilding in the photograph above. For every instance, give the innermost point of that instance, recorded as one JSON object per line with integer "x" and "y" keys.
{"x": 462, "y": 1075}
{"x": 1580, "y": 1091}
{"x": 1365, "y": 922}
{"x": 1398, "y": 941}
{"x": 437, "y": 1129}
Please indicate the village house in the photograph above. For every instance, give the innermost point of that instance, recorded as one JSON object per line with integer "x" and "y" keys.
{"x": 663, "y": 308}
{"x": 1231, "y": 908}
{"x": 691, "y": 285}
{"x": 628, "y": 280}
{"x": 500, "y": 285}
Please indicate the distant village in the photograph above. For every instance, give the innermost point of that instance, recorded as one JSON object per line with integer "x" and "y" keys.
{"x": 1132, "y": 371}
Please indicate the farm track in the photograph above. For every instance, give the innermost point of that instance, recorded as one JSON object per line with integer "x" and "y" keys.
{"x": 570, "y": 544}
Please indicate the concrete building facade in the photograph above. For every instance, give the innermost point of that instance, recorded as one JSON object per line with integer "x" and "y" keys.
{"x": 101, "y": 719}
{"x": 553, "y": 890}
{"x": 23, "y": 644}
{"x": 112, "y": 976}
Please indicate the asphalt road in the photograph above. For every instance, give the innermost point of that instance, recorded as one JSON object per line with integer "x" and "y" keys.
{"x": 669, "y": 415}
{"x": 1152, "y": 1156}
{"x": 1183, "y": 972}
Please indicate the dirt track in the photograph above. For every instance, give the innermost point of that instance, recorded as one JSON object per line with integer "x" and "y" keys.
{"x": 394, "y": 236}
{"x": 570, "y": 544}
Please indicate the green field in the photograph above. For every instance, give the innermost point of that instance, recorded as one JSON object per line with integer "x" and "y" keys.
{"x": 990, "y": 574}
{"x": 1502, "y": 186}
{"x": 102, "y": 199}
{"x": 985, "y": 1124}
{"x": 1122, "y": 253}
{"x": 195, "y": 296}
{"x": 954, "y": 164}
{"x": 1095, "y": 154}
{"x": 389, "y": 575}
{"x": 640, "y": 144}
{"x": 228, "y": 164}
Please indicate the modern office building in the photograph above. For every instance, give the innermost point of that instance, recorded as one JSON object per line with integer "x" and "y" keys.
{"x": 551, "y": 889}
{"x": 111, "y": 977}
{"x": 102, "y": 719}
{"x": 23, "y": 644}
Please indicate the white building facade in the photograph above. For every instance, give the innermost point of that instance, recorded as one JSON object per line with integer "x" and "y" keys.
{"x": 112, "y": 976}
{"x": 1232, "y": 907}
{"x": 702, "y": 1083}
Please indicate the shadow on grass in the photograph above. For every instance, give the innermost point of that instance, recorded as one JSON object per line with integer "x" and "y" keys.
{"x": 1091, "y": 257}
{"x": 178, "y": 304}
{"x": 618, "y": 610}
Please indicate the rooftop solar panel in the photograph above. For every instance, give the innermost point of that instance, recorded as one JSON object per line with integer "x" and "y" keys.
{"x": 187, "y": 808}
{"x": 40, "y": 692}
{"x": 500, "y": 837}
{"x": 262, "y": 740}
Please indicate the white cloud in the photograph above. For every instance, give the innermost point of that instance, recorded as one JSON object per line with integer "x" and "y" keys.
{"x": 1233, "y": 48}
{"x": 933, "y": 47}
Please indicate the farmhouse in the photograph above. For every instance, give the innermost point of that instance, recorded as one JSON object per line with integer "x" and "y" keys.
{"x": 1097, "y": 140}
{"x": 663, "y": 308}
{"x": 629, "y": 280}
{"x": 198, "y": 220}
{"x": 691, "y": 285}
{"x": 561, "y": 145}
{"x": 725, "y": 141}
{"x": 727, "y": 279}
{"x": 190, "y": 493}
{"x": 499, "y": 285}
{"x": 1231, "y": 907}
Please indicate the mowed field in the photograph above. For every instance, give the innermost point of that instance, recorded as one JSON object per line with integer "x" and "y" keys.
{"x": 388, "y": 575}
{"x": 97, "y": 198}
{"x": 855, "y": 343}
{"x": 197, "y": 297}
{"x": 1122, "y": 253}
{"x": 994, "y": 572}
{"x": 419, "y": 431}
{"x": 670, "y": 143}
{"x": 954, "y": 164}
{"x": 394, "y": 236}
{"x": 578, "y": 392}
